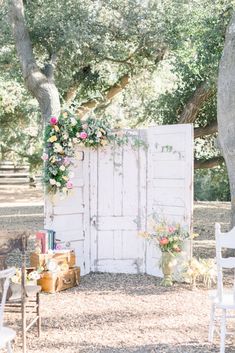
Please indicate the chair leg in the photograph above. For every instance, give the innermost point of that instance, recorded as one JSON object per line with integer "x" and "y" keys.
{"x": 39, "y": 315}
{"x": 9, "y": 349}
{"x": 223, "y": 331}
{"x": 24, "y": 323}
{"x": 212, "y": 324}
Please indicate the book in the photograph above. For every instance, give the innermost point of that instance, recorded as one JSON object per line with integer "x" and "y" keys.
{"x": 40, "y": 237}
{"x": 46, "y": 239}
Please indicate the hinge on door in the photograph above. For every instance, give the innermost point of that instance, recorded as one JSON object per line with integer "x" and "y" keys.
{"x": 94, "y": 222}
{"x": 84, "y": 233}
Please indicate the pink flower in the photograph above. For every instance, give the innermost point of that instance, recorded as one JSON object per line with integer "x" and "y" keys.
{"x": 69, "y": 184}
{"x": 45, "y": 157}
{"x": 171, "y": 229}
{"x": 53, "y": 120}
{"x": 83, "y": 135}
{"x": 66, "y": 161}
{"x": 164, "y": 241}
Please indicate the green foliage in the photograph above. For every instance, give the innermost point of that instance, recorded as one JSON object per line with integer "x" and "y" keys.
{"x": 194, "y": 58}
{"x": 20, "y": 127}
{"x": 61, "y": 137}
{"x": 212, "y": 184}
{"x": 96, "y": 43}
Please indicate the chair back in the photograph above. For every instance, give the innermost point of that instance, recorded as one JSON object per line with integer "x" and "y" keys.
{"x": 224, "y": 241}
{"x": 5, "y": 276}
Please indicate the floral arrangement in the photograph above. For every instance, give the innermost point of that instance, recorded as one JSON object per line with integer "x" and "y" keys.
{"x": 62, "y": 134}
{"x": 31, "y": 276}
{"x": 202, "y": 270}
{"x": 168, "y": 236}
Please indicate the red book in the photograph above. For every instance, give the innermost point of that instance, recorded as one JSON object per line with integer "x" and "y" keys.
{"x": 41, "y": 236}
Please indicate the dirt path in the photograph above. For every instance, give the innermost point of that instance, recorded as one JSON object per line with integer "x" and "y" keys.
{"x": 19, "y": 195}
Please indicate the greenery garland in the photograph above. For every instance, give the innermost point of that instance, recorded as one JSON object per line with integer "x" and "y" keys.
{"x": 62, "y": 135}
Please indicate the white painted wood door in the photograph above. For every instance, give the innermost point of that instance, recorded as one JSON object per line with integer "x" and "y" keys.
{"x": 117, "y": 177}
{"x": 69, "y": 215}
{"x": 170, "y": 181}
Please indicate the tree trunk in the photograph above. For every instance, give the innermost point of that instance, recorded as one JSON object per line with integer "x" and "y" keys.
{"x": 40, "y": 85}
{"x": 226, "y": 109}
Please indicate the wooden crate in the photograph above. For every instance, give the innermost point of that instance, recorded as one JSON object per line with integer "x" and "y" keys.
{"x": 55, "y": 282}
{"x": 40, "y": 260}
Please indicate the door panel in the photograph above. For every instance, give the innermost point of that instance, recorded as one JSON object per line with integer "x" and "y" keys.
{"x": 117, "y": 211}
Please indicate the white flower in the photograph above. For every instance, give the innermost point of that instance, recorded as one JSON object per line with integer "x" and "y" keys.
{"x": 62, "y": 168}
{"x": 58, "y": 184}
{"x": 75, "y": 140}
{"x": 65, "y": 136}
{"x": 73, "y": 121}
{"x": 34, "y": 275}
{"x": 15, "y": 279}
{"x": 58, "y": 148}
{"x": 52, "y": 181}
{"x": 99, "y": 134}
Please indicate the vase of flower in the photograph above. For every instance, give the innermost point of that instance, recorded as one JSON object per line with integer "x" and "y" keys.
{"x": 170, "y": 238}
{"x": 167, "y": 264}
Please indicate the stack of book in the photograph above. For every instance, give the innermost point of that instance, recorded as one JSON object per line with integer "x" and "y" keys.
{"x": 45, "y": 240}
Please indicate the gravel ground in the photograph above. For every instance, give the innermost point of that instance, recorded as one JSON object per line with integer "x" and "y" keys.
{"x": 110, "y": 313}
{"x": 117, "y": 313}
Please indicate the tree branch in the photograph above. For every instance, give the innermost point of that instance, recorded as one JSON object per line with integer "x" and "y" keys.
{"x": 126, "y": 60}
{"x": 49, "y": 68}
{"x": 206, "y": 130}
{"x": 42, "y": 88}
{"x": 71, "y": 94}
{"x": 208, "y": 163}
{"x": 113, "y": 90}
{"x": 195, "y": 103}
{"x": 109, "y": 94}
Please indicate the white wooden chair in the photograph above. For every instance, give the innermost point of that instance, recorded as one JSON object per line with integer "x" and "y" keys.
{"x": 6, "y": 334}
{"x": 223, "y": 299}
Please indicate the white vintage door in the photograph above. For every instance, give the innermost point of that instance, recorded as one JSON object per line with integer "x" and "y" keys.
{"x": 69, "y": 215}
{"x": 170, "y": 180}
{"x": 117, "y": 178}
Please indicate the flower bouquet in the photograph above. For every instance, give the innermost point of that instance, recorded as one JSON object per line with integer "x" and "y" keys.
{"x": 62, "y": 135}
{"x": 169, "y": 237}
{"x": 30, "y": 276}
